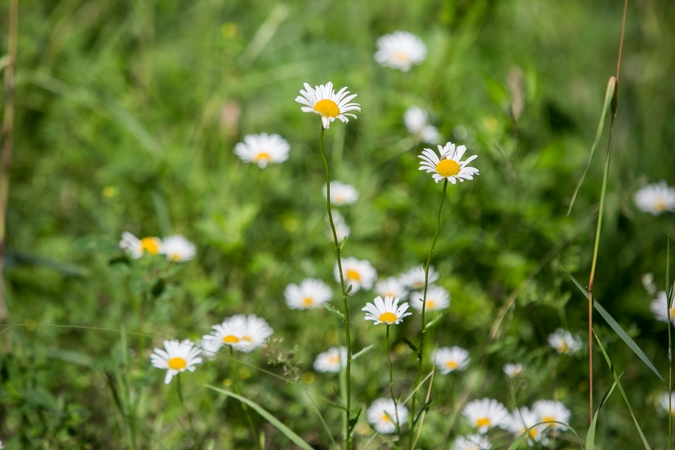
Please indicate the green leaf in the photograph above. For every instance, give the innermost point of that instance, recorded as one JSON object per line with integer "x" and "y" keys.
{"x": 433, "y": 322}
{"x": 335, "y": 406}
{"x": 354, "y": 419}
{"x": 336, "y": 312}
{"x": 355, "y": 356}
{"x": 297, "y": 440}
{"x": 590, "y": 437}
{"x": 412, "y": 347}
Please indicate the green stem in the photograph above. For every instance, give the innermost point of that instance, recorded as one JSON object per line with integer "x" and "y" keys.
{"x": 348, "y": 382}
{"x": 235, "y": 386}
{"x": 391, "y": 382}
{"x": 187, "y": 411}
{"x": 420, "y": 358}
{"x": 669, "y": 304}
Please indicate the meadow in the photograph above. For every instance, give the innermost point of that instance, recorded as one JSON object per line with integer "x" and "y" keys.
{"x": 166, "y": 185}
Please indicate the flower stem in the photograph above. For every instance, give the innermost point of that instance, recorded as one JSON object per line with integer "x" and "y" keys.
{"x": 187, "y": 411}
{"x": 235, "y": 385}
{"x": 420, "y": 358}
{"x": 347, "y": 438}
{"x": 391, "y": 382}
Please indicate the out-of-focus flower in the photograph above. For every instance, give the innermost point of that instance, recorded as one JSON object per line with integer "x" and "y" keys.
{"x": 655, "y": 198}
{"x": 659, "y": 307}
{"x": 664, "y": 398}
{"x": 564, "y": 342}
{"x": 178, "y": 249}
{"x": 383, "y": 413}
{"x": 138, "y": 247}
{"x": 485, "y": 414}
{"x": 331, "y": 360}
{"x": 449, "y": 165}
{"x": 310, "y": 294}
{"x": 414, "y": 278}
{"x": 386, "y": 311}
{"x": 648, "y": 283}
{"x": 357, "y": 272}
{"x": 209, "y": 347}
{"x": 472, "y": 442}
{"x": 391, "y": 287}
{"x": 437, "y": 298}
{"x": 323, "y": 100}
{"x": 263, "y": 149}
{"x": 400, "y": 50}
{"x": 520, "y": 420}
{"x": 450, "y": 359}
{"x": 341, "y": 193}
{"x": 176, "y": 357}
{"x": 513, "y": 370}
{"x": 550, "y": 412}
{"x": 242, "y": 333}
{"x": 417, "y": 123}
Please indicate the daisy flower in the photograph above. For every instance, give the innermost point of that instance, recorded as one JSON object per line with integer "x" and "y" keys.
{"x": 417, "y": 123}
{"x": 386, "y": 311}
{"x": 449, "y": 165}
{"x": 310, "y": 294}
{"x": 663, "y": 401}
{"x": 414, "y": 278}
{"x": 357, "y": 272}
{"x": 262, "y": 149}
{"x": 450, "y": 359}
{"x": 331, "y": 360}
{"x": 178, "y": 249}
{"x": 323, "y": 100}
{"x": 341, "y": 228}
{"x": 138, "y": 247}
{"x": 522, "y": 419}
{"x": 400, "y": 50}
{"x": 655, "y": 198}
{"x": 176, "y": 357}
{"x": 659, "y": 307}
{"x": 513, "y": 370}
{"x": 485, "y": 414}
{"x": 242, "y": 333}
{"x": 472, "y": 442}
{"x": 437, "y": 298}
{"x": 209, "y": 347}
{"x": 383, "y": 413}
{"x": 564, "y": 342}
{"x": 257, "y": 332}
{"x": 341, "y": 193}
{"x": 430, "y": 134}
{"x": 648, "y": 283}
{"x": 551, "y": 411}
{"x": 391, "y": 287}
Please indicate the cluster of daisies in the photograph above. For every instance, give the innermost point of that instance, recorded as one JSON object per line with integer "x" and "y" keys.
{"x": 175, "y": 248}
{"x": 239, "y": 332}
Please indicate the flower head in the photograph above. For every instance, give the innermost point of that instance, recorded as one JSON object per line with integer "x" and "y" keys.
{"x": 513, "y": 370}
{"x": 550, "y": 412}
{"x": 138, "y": 247}
{"x": 450, "y": 359}
{"x": 391, "y": 287}
{"x": 449, "y": 165}
{"x": 664, "y": 398}
{"x": 472, "y": 442}
{"x": 417, "y": 123}
{"x": 178, "y": 249}
{"x": 400, "y": 50}
{"x": 564, "y": 342}
{"x": 659, "y": 307}
{"x": 176, "y": 357}
{"x": 414, "y": 278}
{"x": 262, "y": 149}
{"x": 359, "y": 273}
{"x": 341, "y": 193}
{"x": 485, "y": 414}
{"x": 242, "y": 333}
{"x": 655, "y": 198}
{"x": 437, "y": 298}
{"x": 323, "y": 100}
{"x": 383, "y": 413}
{"x": 386, "y": 311}
{"x": 331, "y": 360}
{"x": 310, "y": 294}
{"x": 522, "y": 419}
{"x": 209, "y": 347}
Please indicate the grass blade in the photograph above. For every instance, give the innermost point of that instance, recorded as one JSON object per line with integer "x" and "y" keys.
{"x": 590, "y": 437}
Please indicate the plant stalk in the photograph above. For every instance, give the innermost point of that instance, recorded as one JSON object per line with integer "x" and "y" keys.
{"x": 187, "y": 411}
{"x": 235, "y": 386}
{"x": 391, "y": 382}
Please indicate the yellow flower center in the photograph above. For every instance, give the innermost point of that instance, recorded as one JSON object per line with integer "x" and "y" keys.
{"x": 418, "y": 285}
{"x": 402, "y": 56}
{"x": 548, "y": 419}
{"x": 334, "y": 360}
{"x": 563, "y": 347}
{"x": 247, "y": 339}
{"x": 483, "y": 422}
{"x": 177, "y": 363}
{"x": 430, "y": 304}
{"x": 230, "y": 339}
{"x": 307, "y": 301}
{"x": 327, "y": 108}
{"x": 447, "y": 168}
{"x": 660, "y": 205}
{"x": 174, "y": 257}
{"x": 262, "y": 156}
{"x": 451, "y": 365}
{"x": 150, "y": 245}
{"x": 387, "y": 318}
{"x": 672, "y": 312}
{"x": 353, "y": 275}
{"x": 385, "y": 418}
{"x": 533, "y": 433}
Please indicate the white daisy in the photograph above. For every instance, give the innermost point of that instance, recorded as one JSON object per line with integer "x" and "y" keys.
{"x": 522, "y": 419}
{"x": 310, "y": 294}
{"x": 655, "y": 198}
{"x": 323, "y": 100}
{"x": 472, "y": 442}
{"x": 450, "y": 359}
{"x": 663, "y": 401}
{"x": 383, "y": 413}
{"x": 437, "y": 298}
{"x": 138, "y": 247}
{"x": 417, "y": 123}
{"x": 564, "y": 342}
{"x": 430, "y": 135}
{"x": 263, "y": 149}
{"x": 386, "y": 311}
{"x": 659, "y": 307}
{"x": 400, "y": 50}
{"x": 513, "y": 370}
{"x": 209, "y": 347}
{"x": 341, "y": 228}
{"x": 551, "y": 411}
{"x": 648, "y": 283}
{"x": 414, "y": 278}
{"x": 331, "y": 360}
{"x": 178, "y": 249}
{"x": 358, "y": 273}
{"x": 485, "y": 414}
{"x": 176, "y": 358}
{"x": 243, "y": 333}
{"x": 391, "y": 287}
{"x": 449, "y": 165}
{"x": 341, "y": 193}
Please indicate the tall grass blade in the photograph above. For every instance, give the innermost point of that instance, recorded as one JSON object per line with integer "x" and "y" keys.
{"x": 590, "y": 437}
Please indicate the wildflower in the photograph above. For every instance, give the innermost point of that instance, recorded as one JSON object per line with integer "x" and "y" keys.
{"x": 663, "y": 401}
{"x": 391, "y": 287}
{"x": 655, "y": 198}
{"x": 209, "y": 347}
{"x": 659, "y": 307}
{"x": 437, "y": 298}
{"x": 449, "y": 166}
{"x": 341, "y": 228}
{"x": 383, "y": 414}
{"x": 648, "y": 283}
{"x": 323, "y": 100}
{"x": 450, "y": 359}
{"x": 242, "y": 333}
{"x": 513, "y": 370}
{"x": 430, "y": 134}
{"x": 341, "y": 193}
{"x": 550, "y": 412}
{"x": 386, "y": 311}
{"x": 176, "y": 357}
{"x": 138, "y": 247}
{"x": 400, "y": 50}
{"x": 564, "y": 342}
{"x": 331, "y": 360}
{"x": 257, "y": 332}
{"x": 263, "y": 149}
{"x": 310, "y": 294}
{"x": 485, "y": 414}
{"x": 177, "y": 248}
{"x": 357, "y": 272}
{"x": 414, "y": 278}
{"x": 472, "y": 442}
{"x": 522, "y": 419}
{"x": 417, "y": 123}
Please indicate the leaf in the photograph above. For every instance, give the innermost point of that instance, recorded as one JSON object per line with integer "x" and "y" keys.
{"x": 355, "y": 356}
{"x": 590, "y": 437}
{"x": 433, "y": 322}
{"x": 412, "y": 347}
{"x": 354, "y": 419}
{"x": 336, "y": 312}
{"x": 335, "y": 406}
{"x": 297, "y": 440}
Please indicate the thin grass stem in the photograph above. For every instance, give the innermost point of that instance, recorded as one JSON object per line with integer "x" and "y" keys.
{"x": 235, "y": 386}
{"x": 391, "y": 382}
{"x": 185, "y": 408}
